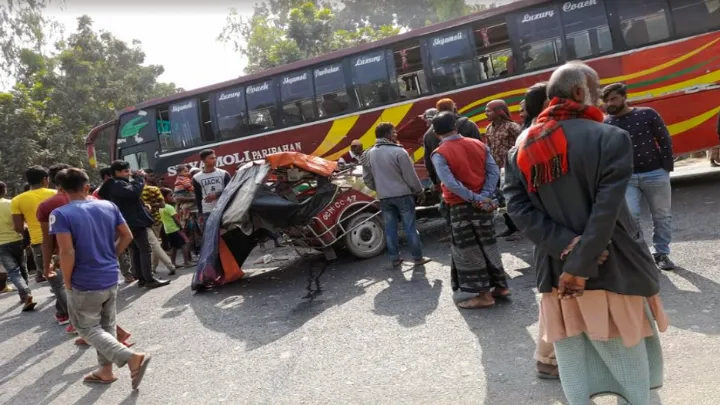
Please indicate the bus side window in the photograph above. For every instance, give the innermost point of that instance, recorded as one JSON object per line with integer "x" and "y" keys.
{"x": 330, "y": 91}
{"x": 643, "y": 22}
{"x": 586, "y": 29}
{"x": 207, "y": 134}
{"x": 695, "y": 16}
{"x": 492, "y": 41}
{"x": 229, "y": 112}
{"x": 408, "y": 65}
{"x": 452, "y": 61}
{"x": 539, "y": 34}
{"x": 371, "y": 80}
{"x": 296, "y": 90}
{"x": 184, "y": 126}
{"x": 260, "y": 99}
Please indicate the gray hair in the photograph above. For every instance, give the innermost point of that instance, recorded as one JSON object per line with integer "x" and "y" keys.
{"x": 569, "y": 76}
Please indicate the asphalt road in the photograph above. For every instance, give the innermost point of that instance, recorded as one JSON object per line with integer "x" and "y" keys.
{"x": 370, "y": 336}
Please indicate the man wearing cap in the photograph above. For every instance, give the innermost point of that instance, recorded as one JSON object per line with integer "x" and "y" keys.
{"x": 469, "y": 179}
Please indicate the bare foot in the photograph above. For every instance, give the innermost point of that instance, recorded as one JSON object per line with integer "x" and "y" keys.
{"x": 484, "y": 300}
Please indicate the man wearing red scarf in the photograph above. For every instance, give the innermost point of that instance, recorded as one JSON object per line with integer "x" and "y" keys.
{"x": 565, "y": 187}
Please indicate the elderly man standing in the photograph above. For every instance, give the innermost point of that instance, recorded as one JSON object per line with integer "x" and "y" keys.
{"x": 565, "y": 185}
{"x": 389, "y": 171}
{"x": 469, "y": 178}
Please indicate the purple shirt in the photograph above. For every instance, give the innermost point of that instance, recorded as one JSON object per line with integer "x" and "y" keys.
{"x": 92, "y": 225}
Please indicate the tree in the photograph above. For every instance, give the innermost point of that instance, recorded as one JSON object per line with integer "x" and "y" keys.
{"x": 58, "y": 97}
{"x": 281, "y": 35}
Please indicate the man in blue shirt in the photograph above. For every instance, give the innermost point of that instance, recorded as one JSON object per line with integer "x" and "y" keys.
{"x": 86, "y": 236}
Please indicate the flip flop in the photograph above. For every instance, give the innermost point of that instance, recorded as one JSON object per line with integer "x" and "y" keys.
{"x": 137, "y": 379}
{"x": 93, "y": 378}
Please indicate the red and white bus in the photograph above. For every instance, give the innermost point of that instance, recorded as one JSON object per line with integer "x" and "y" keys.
{"x": 666, "y": 51}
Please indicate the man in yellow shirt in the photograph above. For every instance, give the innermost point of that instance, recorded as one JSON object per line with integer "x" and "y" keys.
{"x": 24, "y": 211}
{"x": 12, "y": 252}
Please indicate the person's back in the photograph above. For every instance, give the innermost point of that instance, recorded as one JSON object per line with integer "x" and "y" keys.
{"x": 595, "y": 151}
{"x": 393, "y": 176}
{"x": 92, "y": 224}
{"x": 27, "y": 204}
{"x": 7, "y": 230}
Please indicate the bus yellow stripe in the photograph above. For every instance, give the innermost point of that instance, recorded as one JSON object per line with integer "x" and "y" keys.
{"x": 392, "y": 115}
{"x": 339, "y": 130}
{"x": 480, "y": 117}
{"x": 658, "y": 67}
{"x": 493, "y": 97}
{"x": 687, "y": 125}
{"x": 630, "y": 76}
{"x": 709, "y": 78}
{"x": 419, "y": 154}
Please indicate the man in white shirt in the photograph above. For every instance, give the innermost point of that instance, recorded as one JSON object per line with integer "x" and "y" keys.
{"x": 209, "y": 184}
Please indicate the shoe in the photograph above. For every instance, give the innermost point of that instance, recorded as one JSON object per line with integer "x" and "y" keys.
{"x": 664, "y": 263}
{"x": 28, "y": 304}
{"x": 172, "y": 271}
{"x": 7, "y": 289}
{"x": 156, "y": 284}
{"x": 129, "y": 279}
{"x": 39, "y": 278}
{"x": 71, "y": 330}
{"x": 62, "y": 319}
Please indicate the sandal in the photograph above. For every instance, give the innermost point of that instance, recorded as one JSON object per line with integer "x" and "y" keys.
{"x": 397, "y": 263}
{"x": 94, "y": 378}
{"x": 137, "y": 377}
{"x": 420, "y": 262}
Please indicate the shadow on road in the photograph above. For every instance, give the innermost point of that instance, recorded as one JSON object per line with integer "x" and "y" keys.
{"x": 263, "y": 308}
{"x": 393, "y": 300}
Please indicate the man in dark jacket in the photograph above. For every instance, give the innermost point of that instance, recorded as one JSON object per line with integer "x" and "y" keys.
{"x": 565, "y": 188}
{"x": 127, "y": 195}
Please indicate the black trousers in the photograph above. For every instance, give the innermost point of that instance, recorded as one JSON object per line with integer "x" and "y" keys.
{"x": 141, "y": 255}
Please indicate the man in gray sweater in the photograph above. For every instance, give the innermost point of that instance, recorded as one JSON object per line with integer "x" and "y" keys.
{"x": 389, "y": 171}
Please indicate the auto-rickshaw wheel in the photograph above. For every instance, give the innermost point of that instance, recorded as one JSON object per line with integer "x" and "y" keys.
{"x": 368, "y": 239}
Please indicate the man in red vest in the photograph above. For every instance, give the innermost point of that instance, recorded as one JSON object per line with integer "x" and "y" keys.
{"x": 469, "y": 177}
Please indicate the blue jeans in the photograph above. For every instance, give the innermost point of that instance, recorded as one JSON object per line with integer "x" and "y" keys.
{"x": 655, "y": 187}
{"x": 396, "y": 209}
{"x": 12, "y": 257}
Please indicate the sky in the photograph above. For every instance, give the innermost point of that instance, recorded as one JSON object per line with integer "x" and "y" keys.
{"x": 181, "y": 35}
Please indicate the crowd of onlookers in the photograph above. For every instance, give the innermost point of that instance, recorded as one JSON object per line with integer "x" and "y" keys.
{"x": 80, "y": 240}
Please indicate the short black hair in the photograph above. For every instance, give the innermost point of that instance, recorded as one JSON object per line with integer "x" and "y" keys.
{"x": 619, "y": 88}
{"x": 384, "y": 130}
{"x": 118, "y": 166}
{"x": 35, "y": 175}
{"x": 55, "y": 169}
{"x": 444, "y": 123}
{"x": 535, "y": 99}
{"x": 73, "y": 180}
{"x": 3, "y": 189}
{"x": 205, "y": 153}
{"x": 165, "y": 191}
{"x": 106, "y": 172}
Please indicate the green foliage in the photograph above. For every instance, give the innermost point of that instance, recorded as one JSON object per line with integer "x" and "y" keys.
{"x": 60, "y": 95}
{"x": 290, "y": 31}
{"x": 286, "y": 31}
